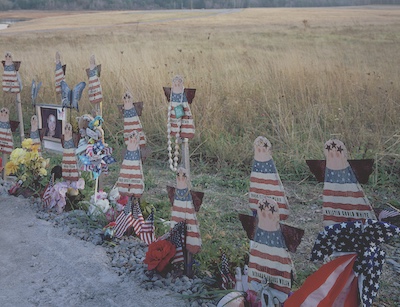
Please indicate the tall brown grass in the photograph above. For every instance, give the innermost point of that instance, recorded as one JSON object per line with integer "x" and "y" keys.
{"x": 256, "y": 71}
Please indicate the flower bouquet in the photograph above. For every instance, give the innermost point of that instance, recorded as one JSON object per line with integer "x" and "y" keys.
{"x": 29, "y": 168}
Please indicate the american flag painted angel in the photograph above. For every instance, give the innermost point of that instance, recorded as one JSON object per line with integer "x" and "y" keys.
{"x": 180, "y": 124}
{"x": 130, "y": 181}
{"x": 59, "y": 72}
{"x": 185, "y": 204}
{"x": 6, "y": 138}
{"x": 95, "y": 90}
{"x": 131, "y": 120}
{"x": 343, "y": 198}
{"x": 265, "y": 180}
{"x": 270, "y": 263}
{"x": 69, "y": 164}
{"x": 11, "y": 81}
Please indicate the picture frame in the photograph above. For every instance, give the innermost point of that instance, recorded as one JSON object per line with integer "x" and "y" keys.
{"x": 52, "y": 119}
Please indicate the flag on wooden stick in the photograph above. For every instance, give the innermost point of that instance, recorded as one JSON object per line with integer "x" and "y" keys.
{"x": 146, "y": 233}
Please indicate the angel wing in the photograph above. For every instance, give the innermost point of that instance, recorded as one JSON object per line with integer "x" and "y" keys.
{"x": 197, "y": 198}
{"x": 249, "y": 224}
{"x": 35, "y": 90}
{"x": 70, "y": 98}
{"x": 292, "y": 235}
{"x": 171, "y": 194}
{"x": 189, "y": 92}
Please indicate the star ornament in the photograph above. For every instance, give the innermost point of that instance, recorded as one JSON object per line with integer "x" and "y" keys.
{"x": 272, "y": 209}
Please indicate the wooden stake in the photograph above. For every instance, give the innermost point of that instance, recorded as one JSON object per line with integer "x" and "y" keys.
{"x": 4, "y": 161}
{"x": 95, "y": 190}
{"x": 20, "y": 118}
{"x": 188, "y": 270}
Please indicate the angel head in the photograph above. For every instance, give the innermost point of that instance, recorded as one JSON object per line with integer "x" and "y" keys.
{"x": 133, "y": 141}
{"x": 181, "y": 178}
{"x": 67, "y": 131}
{"x": 268, "y": 214}
{"x": 177, "y": 84}
{"x": 128, "y": 100}
{"x": 58, "y": 57}
{"x": 4, "y": 115}
{"x": 92, "y": 61}
{"x": 262, "y": 149}
{"x": 336, "y": 154}
{"x": 8, "y": 58}
{"x": 34, "y": 123}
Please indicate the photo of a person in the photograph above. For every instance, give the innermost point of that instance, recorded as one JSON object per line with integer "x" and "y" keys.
{"x": 51, "y": 125}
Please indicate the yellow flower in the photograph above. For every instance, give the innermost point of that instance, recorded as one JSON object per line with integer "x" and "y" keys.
{"x": 35, "y": 147}
{"x": 23, "y": 177}
{"x": 42, "y": 172}
{"x": 45, "y": 162}
{"x": 11, "y": 168}
{"x": 17, "y": 155}
{"x": 27, "y": 143}
{"x": 34, "y": 155}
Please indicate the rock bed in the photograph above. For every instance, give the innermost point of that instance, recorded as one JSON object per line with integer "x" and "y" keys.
{"x": 126, "y": 255}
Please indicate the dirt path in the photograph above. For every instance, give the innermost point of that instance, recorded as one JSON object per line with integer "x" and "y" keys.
{"x": 42, "y": 266}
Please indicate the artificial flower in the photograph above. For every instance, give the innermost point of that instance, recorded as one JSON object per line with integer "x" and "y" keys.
{"x": 11, "y": 168}
{"x": 159, "y": 255}
{"x": 35, "y": 147}
{"x": 111, "y": 214}
{"x": 42, "y": 172}
{"x": 17, "y": 155}
{"x": 27, "y": 143}
{"x": 58, "y": 194}
{"x": 28, "y": 166}
{"x": 123, "y": 200}
{"x": 99, "y": 206}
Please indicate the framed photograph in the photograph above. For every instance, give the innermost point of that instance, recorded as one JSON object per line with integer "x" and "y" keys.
{"x": 51, "y": 120}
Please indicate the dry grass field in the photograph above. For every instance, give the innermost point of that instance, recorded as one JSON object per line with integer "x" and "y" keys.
{"x": 296, "y": 76}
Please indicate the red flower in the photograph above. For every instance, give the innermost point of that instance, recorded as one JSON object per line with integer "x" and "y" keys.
{"x": 123, "y": 200}
{"x": 159, "y": 254}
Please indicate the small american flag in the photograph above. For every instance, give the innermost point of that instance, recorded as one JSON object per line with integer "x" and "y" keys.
{"x": 46, "y": 197}
{"x": 177, "y": 237}
{"x": 147, "y": 230}
{"x": 123, "y": 221}
{"x": 227, "y": 279}
{"x": 138, "y": 219}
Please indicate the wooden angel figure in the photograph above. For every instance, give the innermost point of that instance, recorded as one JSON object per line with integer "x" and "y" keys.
{"x": 343, "y": 197}
{"x": 180, "y": 123}
{"x": 69, "y": 164}
{"x": 270, "y": 244}
{"x": 35, "y": 135}
{"x": 131, "y": 120}
{"x": 6, "y": 139}
{"x": 265, "y": 180}
{"x": 11, "y": 79}
{"x": 185, "y": 204}
{"x": 59, "y": 73}
{"x": 131, "y": 181}
{"x": 95, "y": 90}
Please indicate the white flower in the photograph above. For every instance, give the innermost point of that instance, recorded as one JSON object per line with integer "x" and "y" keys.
{"x": 100, "y": 206}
